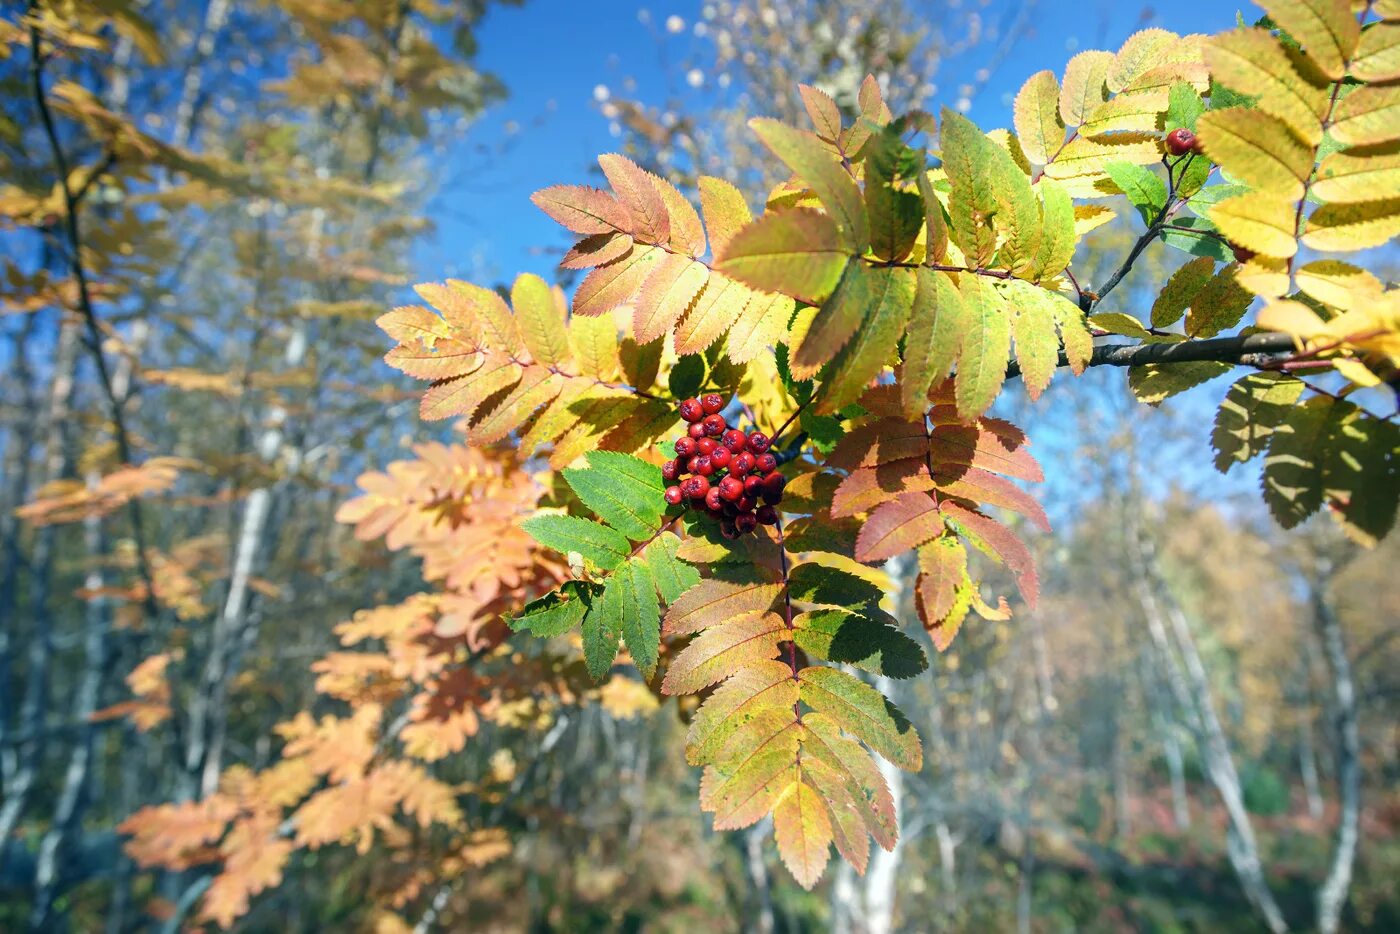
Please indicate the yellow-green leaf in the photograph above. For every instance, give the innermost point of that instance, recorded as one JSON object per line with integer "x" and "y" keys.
{"x": 1345, "y": 178}
{"x": 932, "y": 343}
{"x": 1378, "y": 53}
{"x": 1259, "y": 221}
{"x": 1085, "y": 85}
{"x": 1256, "y": 148}
{"x": 1037, "y": 117}
{"x": 797, "y": 252}
{"x": 541, "y": 319}
{"x": 891, "y": 294}
{"x": 1252, "y": 62}
{"x": 985, "y": 347}
{"x": 1345, "y": 227}
{"x": 1326, "y": 29}
{"x": 820, "y": 168}
{"x": 1367, "y": 116}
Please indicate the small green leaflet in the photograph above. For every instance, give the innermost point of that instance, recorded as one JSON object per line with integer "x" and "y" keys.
{"x": 865, "y": 640}
{"x": 626, "y": 493}
{"x": 1254, "y": 407}
{"x": 1146, "y": 191}
{"x": 1184, "y": 105}
{"x": 1197, "y": 236}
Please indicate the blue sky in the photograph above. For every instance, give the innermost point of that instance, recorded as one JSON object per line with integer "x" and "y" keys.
{"x": 551, "y": 54}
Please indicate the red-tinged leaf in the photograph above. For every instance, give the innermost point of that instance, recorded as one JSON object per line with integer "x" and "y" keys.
{"x": 823, "y": 741}
{"x": 462, "y": 395}
{"x": 988, "y": 489}
{"x": 942, "y": 569}
{"x": 954, "y": 446}
{"x": 803, "y": 830}
{"x": 1002, "y": 543}
{"x": 725, "y": 211}
{"x": 617, "y": 283}
{"x": 712, "y": 600}
{"x": 848, "y": 829}
{"x": 665, "y": 295}
{"x": 583, "y": 209}
{"x": 722, "y": 649}
{"x": 797, "y": 252}
{"x": 424, "y": 354}
{"x": 755, "y": 766}
{"x": 863, "y": 712}
{"x": 537, "y": 387}
{"x": 641, "y": 195}
{"x": 889, "y": 439}
{"x": 597, "y": 250}
{"x": 476, "y": 311}
{"x": 826, "y": 116}
{"x": 819, "y": 167}
{"x": 719, "y": 305}
{"x": 894, "y": 527}
{"x": 687, "y": 233}
{"x": 860, "y": 290}
{"x": 758, "y": 686}
{"x": 870, "y": 486}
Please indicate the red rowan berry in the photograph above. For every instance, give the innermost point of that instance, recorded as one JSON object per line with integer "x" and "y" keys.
{"x": 695, "y": 488}
{"x": 767, "y": 515}
{"x": 1181, "y": 141}
{"x": 696, "y": 430}
{"x": 746, "y": 503}
{"x": 758, "y": 442}
{"x": 714, "y": 425}
{"x": 734, "y": 440}
{"x": 712, "y": 403}
{"x": 745, "y": 522}
{"x": 674, "y": 495}
{"x": 691, "y": 410}
{"x": 670, "y": 471}
{"x": 685, "y": 447}
{"x": 1242, "y": 254}
{"x": 753, "y": 485}
{"x": 720, "y": 456}
{"x": 742, "y": 464}
{"x": 703, "y": 465}
{"x": 727, "y": 529}
{"x": 712, "y": 501}
{"x": 765, "y": 463}
{"x": 705, "y": 445}
{"x": 731, "y": 488}
{"x": 773, "y": 485}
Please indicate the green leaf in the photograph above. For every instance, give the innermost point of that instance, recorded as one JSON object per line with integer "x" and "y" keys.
{"x": 985, "y": 347}
{"x": 1057, "y": 235}
{"x": 856, "y": 639}
{"x": 641, "y": 617}
{"x": 829, "y": 586}
{"x": 1219, "y": 305}
{"x": 671, "y": 575}
{"x": 797, "y": 252}
{"x": 1196, "y": 239}
{"x": 1184, "y": 106}
{"x": 990, "y": 193}
{"x": 602, "y": 628}
{"x": 1180, "y": 289}
{"x": 895, "y": 214}
{"x": 1146, "y": 191}
{"x": 1156, "y": 383}
{"x": 1033, "y": 327}
{"x": 597, "y": 543}
{"x": 624, "y": 491}
{"x": 838, "y": 318}
{"x": 819, "y": 167}
{"x": 1293, "y": 464}
{"x": 932, "y": 342}
{"x": 687, "y": 376}
{"x": 1361, "y": 473}
{"x": 556, "y": 612}
{"x": 864, "y": 713}
{"x": 1253, "y": 408}
{"x": 891, "y": 295}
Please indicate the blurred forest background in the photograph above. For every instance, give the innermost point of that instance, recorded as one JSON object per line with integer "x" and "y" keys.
{"x": 203, "y": 206}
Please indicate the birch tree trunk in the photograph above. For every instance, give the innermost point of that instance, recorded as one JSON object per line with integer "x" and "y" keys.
{"x": 1332, "y": 895}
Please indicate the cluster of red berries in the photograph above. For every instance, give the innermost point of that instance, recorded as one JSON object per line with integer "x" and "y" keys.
{"x": 731, "y": 475}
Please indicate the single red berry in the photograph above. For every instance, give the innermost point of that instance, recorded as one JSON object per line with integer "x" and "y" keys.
{"x": 742, "y": 464}
{"x": 691, "y": 410}
{"x": 734, "y": 440}
{"x": 674, "y": 495}
{"x": 705, "y": 445}
{"x": 758, "y": 442}
{"x": 714, "y": 425}
{"x": 1242, "y": 254}
{"x": 746, "y": 503}
{"x": 712, "y": 403}
{"x": 745, "y": 522}
{"x": 1181, "y": 141}
{"x": 670, "y": 471}
{"x": 727, "y": 529}
{"x": 753, "y": 485}
{"x": 696, "y": 430}
{"x": 703, "y": 465}
{"x": 767, "y": 515}
{"x": 731, "y": 488}
{"x": 773, "y": 485}
{"x": 765, "y": 463}
{"x": 720, "y": 456}
{"x": 695, "y": 488}
{"x": 692, "y": 465}
{"x": 712, "y": 501}
{"x": 685, "y": 447}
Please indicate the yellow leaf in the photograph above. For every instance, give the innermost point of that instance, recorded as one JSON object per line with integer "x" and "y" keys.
{"x": 1378, "y": 54}
{"x": 1259, "y": 221}
{"x": 1087, "y": 217}
{"x": 1252, "y": 62}
{"x": 541, "y": 321}
{"x": 1137, "y": 111}
{"x": 1257, "y": 149}
{"x": 1345, "y": 227}
{"x": 1367, "y": 116}
{"x": 1344, "y": 178}
{"x": 1265, "y": 276}
{"x": 1143, "y": 51}
{"x": 1037, "y": 117}
{"x": 1085, "y": 85}
{"x": 1325, "y": 28}
{"x": 1339, "y": 284}
{"x": 1290, "y": 317}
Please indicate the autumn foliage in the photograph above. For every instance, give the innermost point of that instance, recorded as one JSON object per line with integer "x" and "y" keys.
{"x": 908, "y": 271}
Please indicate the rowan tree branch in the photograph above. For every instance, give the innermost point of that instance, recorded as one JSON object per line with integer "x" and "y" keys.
{"x": 1249, "y": 349}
